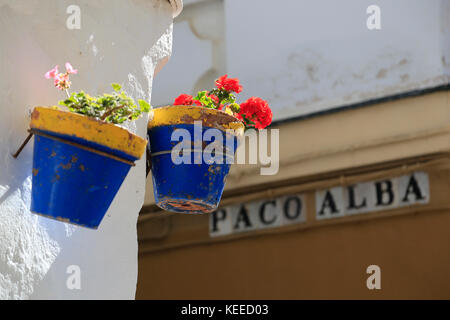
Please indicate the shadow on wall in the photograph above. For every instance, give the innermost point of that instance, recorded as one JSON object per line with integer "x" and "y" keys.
{"x": 36, "y": 252}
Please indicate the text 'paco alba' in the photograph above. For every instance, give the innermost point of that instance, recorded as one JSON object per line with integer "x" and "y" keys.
{"x": 336, "y": 202}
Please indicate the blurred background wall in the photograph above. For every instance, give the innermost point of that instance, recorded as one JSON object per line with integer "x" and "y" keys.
{"x": 355, "y": 107}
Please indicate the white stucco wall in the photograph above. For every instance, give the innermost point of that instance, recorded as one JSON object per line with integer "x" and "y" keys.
{"x": 119, "y": 41}
{"x": 308, "y": 56}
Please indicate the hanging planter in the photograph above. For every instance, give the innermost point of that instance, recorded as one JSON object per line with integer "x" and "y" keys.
{"x": 195, "y": 184}
{"x": 79, "y": 165}
{"x": 81, "y": 156}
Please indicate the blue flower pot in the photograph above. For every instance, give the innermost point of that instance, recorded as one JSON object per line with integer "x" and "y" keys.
{"x": 197, "y": 186}
{"x": 79, "y": 165}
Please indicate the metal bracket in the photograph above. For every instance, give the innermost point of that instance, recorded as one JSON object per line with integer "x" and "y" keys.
{"x": 30, "y": 134}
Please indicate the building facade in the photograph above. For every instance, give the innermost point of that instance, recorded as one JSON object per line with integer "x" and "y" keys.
{"x": 364, "y": 169}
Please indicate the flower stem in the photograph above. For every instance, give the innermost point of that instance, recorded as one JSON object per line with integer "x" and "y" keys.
{"x": 67, "y": 92}
{"x": 110, "y": 111}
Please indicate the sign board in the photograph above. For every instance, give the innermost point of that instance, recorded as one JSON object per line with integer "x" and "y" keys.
{"x": 255, "y": 215}
{"x": 336, "y": 202}
{"x": 373, "y": 196}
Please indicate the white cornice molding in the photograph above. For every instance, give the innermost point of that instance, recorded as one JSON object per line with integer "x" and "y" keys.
{"x": 177, "y": 6}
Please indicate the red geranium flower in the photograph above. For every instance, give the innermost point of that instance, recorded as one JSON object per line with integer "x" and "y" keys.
{"x": 229, "y": 84}
{"x": 256, "y": 110}
{"x": 214, "y": 98}
{"x": 185, "y": 100}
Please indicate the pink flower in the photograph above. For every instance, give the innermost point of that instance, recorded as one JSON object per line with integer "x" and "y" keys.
{"x": 62, "y": 81}
{"x": 52, "y": 73}
{"x": 70, "y": 69}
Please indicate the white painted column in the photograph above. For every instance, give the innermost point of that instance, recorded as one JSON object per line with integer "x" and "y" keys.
{"x": 119, "y": 41}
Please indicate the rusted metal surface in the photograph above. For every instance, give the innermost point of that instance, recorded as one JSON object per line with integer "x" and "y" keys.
{"x": 193, "y": 206}
{"x": 85, "y": 128}
{"x": 76, "y": 174}
{"x": 78, "y": 145}
{"x": 212, "y": 118}
{"x": 197, "y": 186}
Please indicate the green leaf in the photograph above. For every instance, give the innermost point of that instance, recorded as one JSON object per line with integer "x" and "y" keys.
{"x": 145, "y": 106}
{"x": 116, "y": 87}
{"x": 200, "y": 95}
{"x": 118, "y": 106}
{"x": 234, "y": 107}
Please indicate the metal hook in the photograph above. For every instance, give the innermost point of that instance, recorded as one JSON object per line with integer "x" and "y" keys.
{"x": 15, "y": 155}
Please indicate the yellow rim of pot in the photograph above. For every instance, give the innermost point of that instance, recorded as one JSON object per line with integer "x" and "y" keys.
{"x": 73, "y": 124}
{"x": 172, "y": 115}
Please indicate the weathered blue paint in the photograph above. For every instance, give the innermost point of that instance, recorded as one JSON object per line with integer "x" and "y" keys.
{"x": 186, "y": 188}
{"x": 72, "y": 184}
